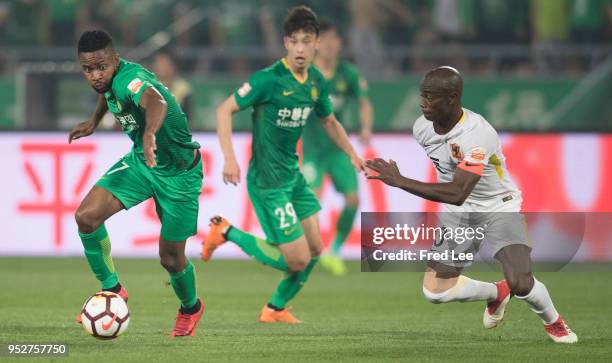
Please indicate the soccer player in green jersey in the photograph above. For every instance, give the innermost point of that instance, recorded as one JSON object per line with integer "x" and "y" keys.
{"x": 321, "y": 156}
{"x": 282, "y": 97}
{"x": 164, "y": 164}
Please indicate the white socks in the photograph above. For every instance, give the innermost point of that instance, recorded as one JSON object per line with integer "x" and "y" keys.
{"x": 540, "y": 303}
{"x": 464, "y": 290}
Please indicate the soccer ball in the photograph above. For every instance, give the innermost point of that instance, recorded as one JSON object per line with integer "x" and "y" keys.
{"x": 105, "y": 315}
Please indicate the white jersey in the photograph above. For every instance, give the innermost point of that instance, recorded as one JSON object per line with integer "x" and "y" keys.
{"x": 471, "y": 143}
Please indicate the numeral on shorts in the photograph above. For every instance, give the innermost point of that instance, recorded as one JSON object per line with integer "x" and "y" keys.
{"x": 282, "y": 213}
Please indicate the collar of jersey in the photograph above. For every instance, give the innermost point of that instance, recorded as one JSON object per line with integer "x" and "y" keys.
{"x": 297, "y": 78}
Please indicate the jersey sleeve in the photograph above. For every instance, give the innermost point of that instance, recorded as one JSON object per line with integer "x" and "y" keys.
{"x": 478, "y": 148}
{"x": 258, "y": 89}
{"x": 131, "y": 86}
{"x": 357, "y": 84}
{"x": 323, "y": 105}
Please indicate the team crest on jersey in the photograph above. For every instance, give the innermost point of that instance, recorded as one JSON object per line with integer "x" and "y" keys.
{"x": 135, "y": 85}
{"x": 244, "y": 89}
{"x": 456, "y": 152}
{"x": 314, "y": 94}
{"x": 341, "y": 86}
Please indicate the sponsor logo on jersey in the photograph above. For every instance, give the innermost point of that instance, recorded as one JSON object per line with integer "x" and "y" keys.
{"x": 244, "y": 89}
{"x": 477, "y": 153}
{"x": 135, "y": 85}
{"x": 295, "y": 117}
{"x": 127, "y": 122}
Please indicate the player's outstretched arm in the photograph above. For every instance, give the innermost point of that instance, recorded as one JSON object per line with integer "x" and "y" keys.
{"x": 231, "y": 169}
{"x": 88, "y": 127}
{"x": 336, "y": 132}
{"x": 455, "y": 192}
{"x": 366, "y": 116}
{"x": 155, "y": 112}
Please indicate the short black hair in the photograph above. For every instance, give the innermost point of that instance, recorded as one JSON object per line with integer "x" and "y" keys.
{"x": 301, "y": 18}
{"x": 327, "y": 25}
{"x": 93, "y": 40}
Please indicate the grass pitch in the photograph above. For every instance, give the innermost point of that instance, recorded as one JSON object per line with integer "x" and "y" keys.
{"x": 360, "y": 317}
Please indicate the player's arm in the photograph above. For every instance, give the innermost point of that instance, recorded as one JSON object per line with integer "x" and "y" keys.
{"x": 88, "y": 127}
{"x": 366, "y": 117}
{"x": 336, "y": 132}
{"x": 455, "y": 192}
{"x": 231, "y": 169}
{"x": 155, "y": 107}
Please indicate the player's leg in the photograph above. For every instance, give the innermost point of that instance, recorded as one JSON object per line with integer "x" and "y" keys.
{"x": 443, "y": 284}
{"x": 183, "y": 282}
{"x": 344, "y": 177}
{"x": 121, "y": 187}
{"x": 176, "y": 200}
{"x": 277, "y": 218}
{"x": 516, "y": 262}
{"x": 99, "y": 205}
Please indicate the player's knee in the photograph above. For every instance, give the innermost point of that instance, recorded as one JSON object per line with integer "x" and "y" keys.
{"x": 435, "y": 297}
{"x": 316, "y": 250}
{"x": 86, "y": 220}
{"x": 297, "y": 264}
{"x": 172, "y": 262}
{"x": 520, "y": 283}
{"x": 352, "y": 200}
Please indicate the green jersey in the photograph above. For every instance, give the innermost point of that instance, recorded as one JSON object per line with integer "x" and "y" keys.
{"x": 174, "y": 144}
{"x": 282, "y": 105}
{"x": 345, "y": 84}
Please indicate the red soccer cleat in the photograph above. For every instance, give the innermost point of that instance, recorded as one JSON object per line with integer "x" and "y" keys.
{"x": 559, "y": 332}
{"x": 494, "y": 312}
{"x": 122, "y": 292}
{"x": 186, "y": 324}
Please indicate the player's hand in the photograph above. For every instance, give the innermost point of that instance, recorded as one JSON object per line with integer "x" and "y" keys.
{"x": 231, "y": 172}
{"x": 365, "y": 135}
{"x": 148, "y": 149}
{"x": 388, "y": 172}
{"x": 82, "y": 129}
{"x": 358, "y": 163}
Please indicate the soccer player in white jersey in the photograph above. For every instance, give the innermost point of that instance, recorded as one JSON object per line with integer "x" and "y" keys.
{"x": 472, "y": 179}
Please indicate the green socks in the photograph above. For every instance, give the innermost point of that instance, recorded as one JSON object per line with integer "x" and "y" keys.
{"x": 97, "y": 250}
{"x": 258, "y": 249}
{"x": 343, "y": 228}
{"x": 290, "y": 285}
{"x": 184, "y": 285}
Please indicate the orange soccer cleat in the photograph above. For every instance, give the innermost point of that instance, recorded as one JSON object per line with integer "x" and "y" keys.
{"x": 216, "y": 236}
{"x": 269, "y": 315}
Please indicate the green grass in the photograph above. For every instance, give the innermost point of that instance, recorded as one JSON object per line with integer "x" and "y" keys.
{"x": 361, "y": 317}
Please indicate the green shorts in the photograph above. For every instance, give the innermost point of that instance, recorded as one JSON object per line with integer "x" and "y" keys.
{"x": 337, "y": 164}
{"x": 176, "y": 196}
{"x": 280, "y": 210}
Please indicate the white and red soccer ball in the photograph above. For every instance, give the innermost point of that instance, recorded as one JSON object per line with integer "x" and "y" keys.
{"x": 105, "y": 315}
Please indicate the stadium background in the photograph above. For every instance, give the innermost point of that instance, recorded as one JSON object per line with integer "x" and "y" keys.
{"x": 540, "y": 71}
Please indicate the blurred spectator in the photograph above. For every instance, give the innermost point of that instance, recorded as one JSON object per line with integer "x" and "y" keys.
{"x": 550, "y": 30}
{"x": 501, "y": 21}
{"x": 368, "y": 17}
{"x": 25, "y": 23}
{"x": 104, "y": 14}
{"x": 164, "y": 67}
{"x": 62, "y": 21}
{"x": 453, "y": 19}
{"x": 590, "y": 20}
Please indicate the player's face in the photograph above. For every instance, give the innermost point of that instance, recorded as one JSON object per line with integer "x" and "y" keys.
{"x": 301, "y": 47}
{"x": 330, "y": 45}
{"x": 436, "y": 105}
{"x": 99, "y": 68}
